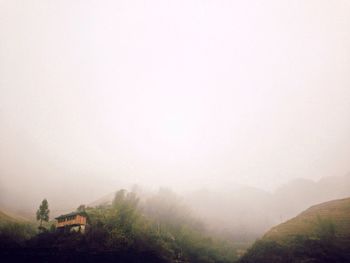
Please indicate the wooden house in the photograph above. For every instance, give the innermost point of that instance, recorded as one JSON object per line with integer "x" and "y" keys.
{"x": 74, "y": 221}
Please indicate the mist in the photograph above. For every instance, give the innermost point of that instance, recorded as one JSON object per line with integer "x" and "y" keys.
{"x": 223, "y": 102}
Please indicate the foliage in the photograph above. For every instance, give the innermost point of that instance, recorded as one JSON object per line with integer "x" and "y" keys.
{"x": 14, "y": 234}
{"x": 81, "y": 208}
{"x": 42, "y": 214}
{"x": 297, "y": 249}
{"x": 159, "y": 230}
{"x": 161, "y": 226}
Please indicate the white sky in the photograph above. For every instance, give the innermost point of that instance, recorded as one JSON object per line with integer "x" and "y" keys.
{"x": 178, "y": 93}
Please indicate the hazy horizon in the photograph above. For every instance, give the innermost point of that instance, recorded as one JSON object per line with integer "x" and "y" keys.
{"x": 182, "y": 94}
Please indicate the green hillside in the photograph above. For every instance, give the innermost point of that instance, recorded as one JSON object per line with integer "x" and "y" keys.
{"x": 5, "y": 218}
{"x": 320, "y": 234}
{"x": 159, "y": 230}
{"x": 333, "y": 214}
{"x": 14, "y": 231}
{"x": 10, "y": 217}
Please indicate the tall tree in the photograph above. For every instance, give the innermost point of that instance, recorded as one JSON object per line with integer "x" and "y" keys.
{"x": 43, "y": 213}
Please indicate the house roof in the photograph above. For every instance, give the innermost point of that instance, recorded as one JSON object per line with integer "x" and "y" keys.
{"x": 71, "y": 214}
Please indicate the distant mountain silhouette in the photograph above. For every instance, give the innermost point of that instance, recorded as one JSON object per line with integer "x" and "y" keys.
{"x": 300, "y": 194}
{"x": 249, "y": 212}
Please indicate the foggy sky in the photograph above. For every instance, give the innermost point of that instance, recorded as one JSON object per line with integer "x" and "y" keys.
{"x": 94, "y": 94}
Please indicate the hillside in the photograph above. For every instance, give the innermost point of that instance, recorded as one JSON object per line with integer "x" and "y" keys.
{"x": 14, "y": 231}
{"x": 240, "y": 206}
{"x": 159, "y": 230}
{"x": 308, "y": 223}
{"x": 4, "y": 218}
{"x": 319, "y": 234}
{"x": 7, "y": 216}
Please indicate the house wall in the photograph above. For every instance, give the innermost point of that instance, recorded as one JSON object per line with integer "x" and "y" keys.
{"x": 78, "y": 220}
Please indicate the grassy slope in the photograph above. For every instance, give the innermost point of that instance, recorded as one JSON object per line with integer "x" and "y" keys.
{"x": 4, "y": 218}
{"x": 320, "y": 234}
{"x": 337, "y": 211}
{"x": 8, "y": 216}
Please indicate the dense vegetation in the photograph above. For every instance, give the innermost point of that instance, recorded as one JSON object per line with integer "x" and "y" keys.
{"x": 159, "y": 230}
{"x": 15, "y": 234}
{"x": 298, "y": 249}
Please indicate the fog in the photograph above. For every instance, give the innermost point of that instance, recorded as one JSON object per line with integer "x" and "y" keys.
{"x": 213, "y": 96}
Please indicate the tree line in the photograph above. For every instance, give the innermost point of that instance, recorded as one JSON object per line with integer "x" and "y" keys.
{"x": 159, "y": 230}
